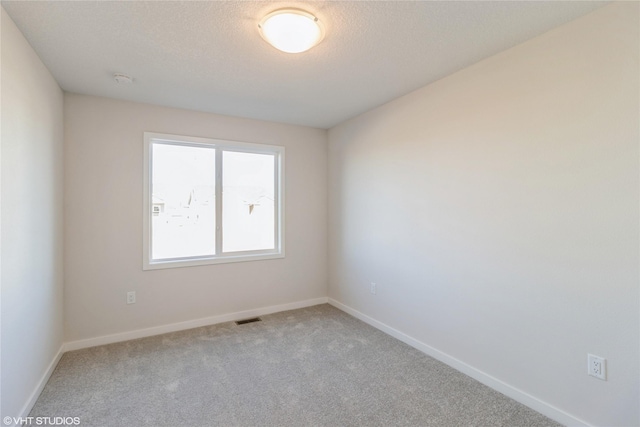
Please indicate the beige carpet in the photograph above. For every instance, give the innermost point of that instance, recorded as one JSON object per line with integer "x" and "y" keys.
{"x": 310, "y": 367}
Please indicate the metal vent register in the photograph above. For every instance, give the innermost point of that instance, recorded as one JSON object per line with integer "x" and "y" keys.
{"x": 253, "y": 319}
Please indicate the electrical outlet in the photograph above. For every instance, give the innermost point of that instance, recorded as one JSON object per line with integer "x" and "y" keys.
{"x": 597, "y": 367}
{"x": 131, "y": 297}
{"x": 374, "y": 288}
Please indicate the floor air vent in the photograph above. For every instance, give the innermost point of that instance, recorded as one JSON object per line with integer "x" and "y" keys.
{"x": 253, "y": 319}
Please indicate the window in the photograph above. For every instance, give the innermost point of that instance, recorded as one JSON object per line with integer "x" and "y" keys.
{"x": 209, "y": 201}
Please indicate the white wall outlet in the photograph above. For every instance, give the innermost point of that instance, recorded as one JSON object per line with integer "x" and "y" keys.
{"x": 597, "y": 367}
{"x": 131, "y": 297}
{"x": 374, "y": 288}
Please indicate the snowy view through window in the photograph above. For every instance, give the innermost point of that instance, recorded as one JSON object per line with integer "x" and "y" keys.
{"x": 184, "y": 204}
{"x": 183, "y": 201}
{"x": 247, "y": 201}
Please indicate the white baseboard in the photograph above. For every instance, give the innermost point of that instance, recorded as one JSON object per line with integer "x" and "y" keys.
{"x": 190, "y": 324}
{"x": 486, "y": 379}
{"x": 28, "y": 406}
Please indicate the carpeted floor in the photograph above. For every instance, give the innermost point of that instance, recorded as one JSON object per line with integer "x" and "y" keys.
{"x": 315, "y": 366}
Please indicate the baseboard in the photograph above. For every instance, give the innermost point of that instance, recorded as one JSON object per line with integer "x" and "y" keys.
{"x": 28, "y": 406}
{"x": 190, "y": 324}
{"x": 486, "y": 379}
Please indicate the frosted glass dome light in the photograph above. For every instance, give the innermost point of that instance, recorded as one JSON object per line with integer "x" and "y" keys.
{"x": 291, "y": 30}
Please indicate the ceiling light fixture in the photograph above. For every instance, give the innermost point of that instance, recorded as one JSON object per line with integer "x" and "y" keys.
{"x": 291, "y": 30}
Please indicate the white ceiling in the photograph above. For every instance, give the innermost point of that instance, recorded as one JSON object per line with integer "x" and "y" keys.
{"x": 209, "y": 56}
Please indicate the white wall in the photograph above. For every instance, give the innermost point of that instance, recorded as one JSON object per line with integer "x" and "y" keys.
{"x": 103, "y": 220}
{"x": 497, "y": 211}
{"x": 31, "y": 232}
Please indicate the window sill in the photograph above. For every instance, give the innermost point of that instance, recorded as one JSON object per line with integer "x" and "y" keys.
{"x": 158, "y": 265}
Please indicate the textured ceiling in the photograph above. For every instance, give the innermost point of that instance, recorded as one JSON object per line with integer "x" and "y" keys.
{"x": 209, "y": 56}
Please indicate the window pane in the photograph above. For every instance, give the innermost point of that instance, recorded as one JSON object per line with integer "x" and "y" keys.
{"x": 248, "y": 194}
{"x": 183, "y": 209}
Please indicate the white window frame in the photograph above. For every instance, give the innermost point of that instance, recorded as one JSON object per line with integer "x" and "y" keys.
{"x": 220, "y": 146}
